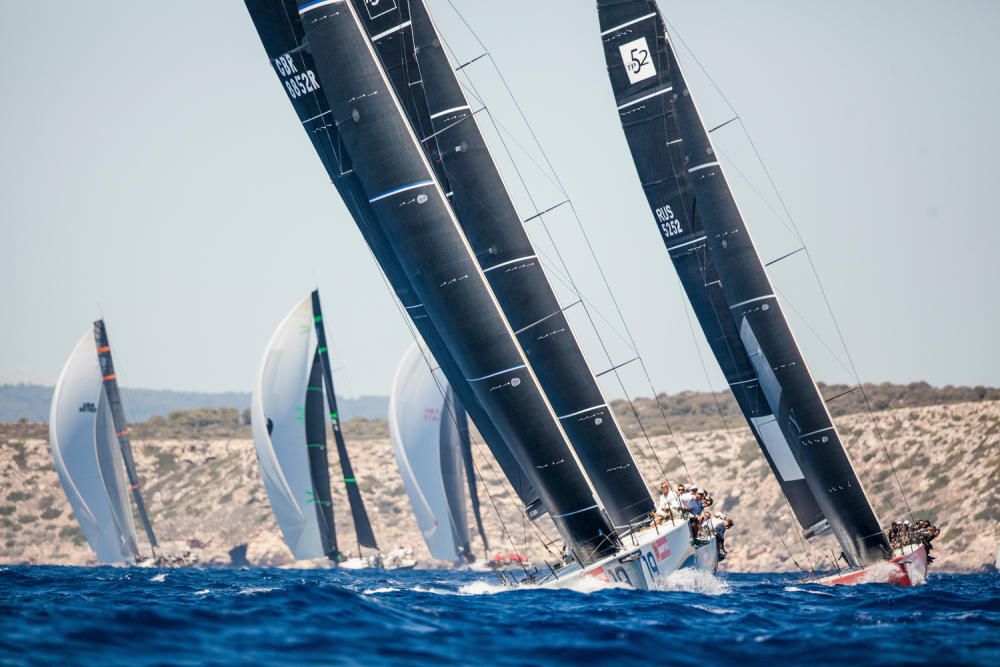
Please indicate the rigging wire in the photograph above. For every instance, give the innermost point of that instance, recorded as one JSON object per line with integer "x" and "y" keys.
{"x": 812, "y": 264}
{"x": 559, "y": 185}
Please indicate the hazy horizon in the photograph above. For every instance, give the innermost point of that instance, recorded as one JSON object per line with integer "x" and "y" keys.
{"x": 154, "y": 173}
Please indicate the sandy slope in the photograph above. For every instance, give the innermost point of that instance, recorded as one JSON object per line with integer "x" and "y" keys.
{"x": 206, "y": 496}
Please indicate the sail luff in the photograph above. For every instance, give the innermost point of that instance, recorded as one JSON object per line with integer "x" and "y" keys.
{"x": 507, "y": 257}
{"x": 362, "y": 525}
{"x": 121, "y": 426}
{"x": 646, "y": 111}
{"x": 280, "y": 30}
{"x": 411, "y": 206}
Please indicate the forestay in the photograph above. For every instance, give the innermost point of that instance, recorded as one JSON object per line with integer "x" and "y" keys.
{"x": 88, "y": 459}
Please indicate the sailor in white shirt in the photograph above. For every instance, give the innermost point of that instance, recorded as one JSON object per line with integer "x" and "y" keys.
{"x": 669, "y": 500}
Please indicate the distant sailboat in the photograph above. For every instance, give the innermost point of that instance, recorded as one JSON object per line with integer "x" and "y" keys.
{"x": 291, "y": 403}
{"x": 430, "y": 439}
{"x": 732, "y": 297}
{"x": 92, "y": 452}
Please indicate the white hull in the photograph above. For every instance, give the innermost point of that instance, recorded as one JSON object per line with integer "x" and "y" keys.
{"x": 645, "y": 561}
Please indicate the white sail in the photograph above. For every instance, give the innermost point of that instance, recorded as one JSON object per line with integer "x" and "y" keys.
{"x": 279, "y": 399}
{"x": 87, "y": 457}
{"x": 416, "y": 411}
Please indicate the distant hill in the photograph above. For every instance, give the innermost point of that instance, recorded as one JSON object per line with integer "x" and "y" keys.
{"x": 31, "y": 402}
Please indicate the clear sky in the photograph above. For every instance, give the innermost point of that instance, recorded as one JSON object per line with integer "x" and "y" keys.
{"x": 153, "y": 171}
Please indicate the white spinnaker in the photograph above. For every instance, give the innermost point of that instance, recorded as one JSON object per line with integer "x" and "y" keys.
{"x": 416, "y": 408}
{"x": 87, "y": 458}
{"x": 280, "y": 395}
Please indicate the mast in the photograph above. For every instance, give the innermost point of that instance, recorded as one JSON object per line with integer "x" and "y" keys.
{"x": 780, "y": 371}
{"x": 362, "y": 526}
{"x": 646, "y": 110}
{"x": 110, "y": 382}
{"x": 498, "y": 238}
{"x": 281, "y": 32}
{"x": 410, "y": 206}
{"x": 465, "y": 445}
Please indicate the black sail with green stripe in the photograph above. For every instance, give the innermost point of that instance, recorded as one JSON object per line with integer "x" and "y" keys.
{"x": 319, "y": 464}
{"x": 362, "y": 526}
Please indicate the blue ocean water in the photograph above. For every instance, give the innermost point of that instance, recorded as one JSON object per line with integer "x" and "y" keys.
{"x": 117, "y": 616}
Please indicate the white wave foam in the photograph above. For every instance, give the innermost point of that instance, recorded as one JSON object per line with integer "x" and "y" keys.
{"x": 691, "y": 580}
{"x": 713, "y": 610}
{"x": 160, "y": 578}
{"x": 204, "y": 591}
{"x": 796, "y": 589}
{"x": 381, "y": 589}
{"x": 253, "y": 590}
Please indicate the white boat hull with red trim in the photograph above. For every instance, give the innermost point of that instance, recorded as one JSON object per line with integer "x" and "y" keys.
{"x": 907, "y": 567}
{"x": 645, "y": 561}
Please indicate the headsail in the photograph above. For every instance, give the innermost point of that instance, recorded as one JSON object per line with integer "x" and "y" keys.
{"x": 289, "y": 432}
{"x": 88, "y": 458}
{"x": 281, "y": 32}
{"x": 497, "y": 236}
{"x": 411, "y": 208}
{"x": 795, "y": 429}
{"x": 425, "y": 439}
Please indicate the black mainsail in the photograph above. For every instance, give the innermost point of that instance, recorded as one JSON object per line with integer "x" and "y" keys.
{"x": 362, "y": 526}
{"x": 110, "y": 380}
{"x": 410, "y": 207}
{"x": 281, "y": 32}
{"x": 320, "y": 497}
{"x": 726, "y": 281}
{"x": 497, "y": 236}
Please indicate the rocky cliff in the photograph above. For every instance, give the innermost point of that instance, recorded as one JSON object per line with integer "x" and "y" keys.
{"x": 205, "y": 495}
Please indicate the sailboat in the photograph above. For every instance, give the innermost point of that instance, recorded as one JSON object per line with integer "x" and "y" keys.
{"x": 381, "y": 103}
{"x": 292, "y": 402}
{"x": 429, "y": 432}
{"x": 92, "y": 452}
{"x": 733, "y": 300}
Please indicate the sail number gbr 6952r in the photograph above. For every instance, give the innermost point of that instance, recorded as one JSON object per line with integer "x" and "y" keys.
{"x": 296, "y": 83}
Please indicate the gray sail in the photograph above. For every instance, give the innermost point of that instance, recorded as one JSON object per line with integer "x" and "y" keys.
{"x": 410, "y": 207}
{"x": 780, "y": 371}
{"x": 497, "y": 236}
{"x": 88, "y": 459}
{"x": 645, "y": 108}
{"x": 277, "y": 23}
